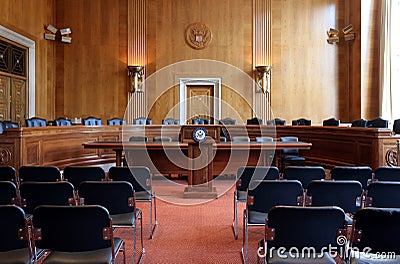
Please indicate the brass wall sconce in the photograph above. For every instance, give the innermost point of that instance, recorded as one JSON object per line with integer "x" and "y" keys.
{"x": 135, "y": 74}
{"x": 262, "y": 77}
{"x": 51, "y": 34}
{"x": 333, "y": 34}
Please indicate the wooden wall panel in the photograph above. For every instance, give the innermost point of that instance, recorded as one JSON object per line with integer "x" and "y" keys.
{"x": 29, "y": 18}
{"x": 92, "y": 68}
{"x": 307, "y": 77}
{"x": 370, "y": 50}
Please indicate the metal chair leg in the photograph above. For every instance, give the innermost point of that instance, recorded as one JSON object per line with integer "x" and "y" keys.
{"x": 245, "y": 243}
{"x": 153, "y": 228}
{"x": 235, "y": 221}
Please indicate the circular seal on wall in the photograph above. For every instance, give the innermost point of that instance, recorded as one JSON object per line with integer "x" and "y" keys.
{"x": 198, "y": 35}
{"x": 200, "y": 134}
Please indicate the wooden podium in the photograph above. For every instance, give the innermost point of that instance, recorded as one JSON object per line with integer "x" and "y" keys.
{"x": 200, "y": 139}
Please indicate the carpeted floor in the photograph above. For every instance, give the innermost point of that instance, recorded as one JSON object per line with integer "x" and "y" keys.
{"x": 193, "y": 234}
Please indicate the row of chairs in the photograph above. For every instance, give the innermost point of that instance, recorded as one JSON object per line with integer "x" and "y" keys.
{"x": 373, "y": 238}
{"x": 138, "y": 177}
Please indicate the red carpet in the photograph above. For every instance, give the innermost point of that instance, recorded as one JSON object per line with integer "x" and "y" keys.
{"x": 192, "y": 234}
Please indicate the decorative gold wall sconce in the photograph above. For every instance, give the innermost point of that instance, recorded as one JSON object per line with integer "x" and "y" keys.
{"x": 262, "y": 77}
{"x": 51, "y": 34}
{"x": 333, "y": 34}
{"x": 135, "y": 74}
{"x": 347, "y": 31}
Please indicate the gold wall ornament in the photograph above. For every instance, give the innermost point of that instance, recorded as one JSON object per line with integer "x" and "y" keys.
{"x": 198, "y": 35}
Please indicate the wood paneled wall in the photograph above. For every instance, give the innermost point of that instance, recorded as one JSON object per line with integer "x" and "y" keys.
{"x": 310, "y": 78}
{"x": 91, "y": 71}
{"x": 29, "y": 18}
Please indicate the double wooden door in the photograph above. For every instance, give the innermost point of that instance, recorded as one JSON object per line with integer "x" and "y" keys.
{"x": 12, "y": 99}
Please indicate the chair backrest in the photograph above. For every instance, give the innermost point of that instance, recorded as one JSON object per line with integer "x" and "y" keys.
{"x": 62, "y": 121}
{"x": 331, "y": 122}
{"x": 302, "y": 227}
{"x": 34, "y": 194}
{"x": 396, "y": 126}
{"x": 10, "y": 124}
{"x": 240, "y": 139}
{"x": 72, "y": 228}
{"x": 378, "y": 122}
{"x": 142, "y": 121}
{"x": 301, "y": 122}
{"x": 264, "y": 139}
{"x": 276, "y": 122}
{"x": 290, "y": 151}
{"x": 138, "y": 139}
{"x": 380, "y": 229}
{"x": 35, "y": 122}
{"x": 116, "y": 121}
{"x": 7, "y": 173}
{"x": 345, "y": 173}
{"x": 92, "y": 121}
{"x": 116, "y": 196}
{"x": 344, "y": 194}
{"x": 227, "y": 121}
{"x": 8, "y": 193}
{"x": 138, "y": 176}
{"x": 12, "y": 219}
{"x": 78, "y": 174}
{"x": 2, "y": 127}
{"x": 254, "y": 121}
{"x": 383, "y": 194}
{"x": 304, "y": 174}
{"x": 39, "y": 174}
{"x": 162, "y": 139}
{"x": 359, "y": 123}
{"x": 387, "y": 174}
{"x": 170, "y": 121}
{"x": 268, "y": 194}
{"x": 248, "y": 174}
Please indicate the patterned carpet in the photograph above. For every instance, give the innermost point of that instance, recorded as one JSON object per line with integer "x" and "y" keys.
{"x": 193, "y": 234}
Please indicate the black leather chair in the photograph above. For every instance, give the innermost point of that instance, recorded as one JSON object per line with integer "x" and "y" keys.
{"x": 276, "y": 122}
{"x": 290, "y": 157}
{"x": 92, "y": 121}
{"x": 8, "y": 193}
{"x": 359, "y": 123}
{"x": 8, "y": 173}
{"x": 240, "y": 139}
{"x": 245, "y": 175}
{"x": 34, "y": 194}
{"x": 383, "y": 194}
{"x": 227, "y": 121}
{"x": 348, "y": 173}
{"x": 10, "y": 124}
{"x": 142, "y": 121}
{"x": 378, "y": 122}
{"x": 75, "y": 234}
{"x": 301, "y": 122}
{"x": 347, "y": 195}
{"x": 138, "y": 139}
{"x": 304, "y": 228}
{"x": 378, "y": 231}
{"x": 78, "y": 174}
{"x": 201, "y": 121}
{"x": 396, "y": 126}
{"x": 162, "y": 139}
{"x": 141, "y": 181}
{"x": 331, "y": 122}
{"x": 254, "y": 121}
{"x": 14, "y": 242}
{"x": 304, "y": 174}
{"x": 116, "y": 121}
{"x": 119, "y": 199}
{"x": 387, "y": 174}
{"x": 261, "y": 198}
{"x": 35, "y": 122}
{"x": 2, "y": 128}
{"x": 62, "y": 121}
{"x": 39, "y": 174}
{"x": 170, "y": 121}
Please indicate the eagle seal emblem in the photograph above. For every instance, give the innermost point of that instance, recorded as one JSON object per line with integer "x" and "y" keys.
{"x": 198, "y": 35}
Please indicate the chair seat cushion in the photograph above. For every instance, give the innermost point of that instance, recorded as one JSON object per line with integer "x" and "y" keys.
{"x": 287, "y": 259}
{"x": 17, "y": 256}
{"x": 241, "y": 196}
{"x": 100, "y": 256}
{"x": 362, "y": 258}
{"x": 142, "y": 196}
{"x": 293, "y": 158}
{"x": 257, "y": 218}
{"x": 127, "y": 219}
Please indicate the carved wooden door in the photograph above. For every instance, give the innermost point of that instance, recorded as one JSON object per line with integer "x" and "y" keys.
{"x": 200, "y": 102}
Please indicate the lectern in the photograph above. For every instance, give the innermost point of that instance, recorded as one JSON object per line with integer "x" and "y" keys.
{"x": 200, "y": 139}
